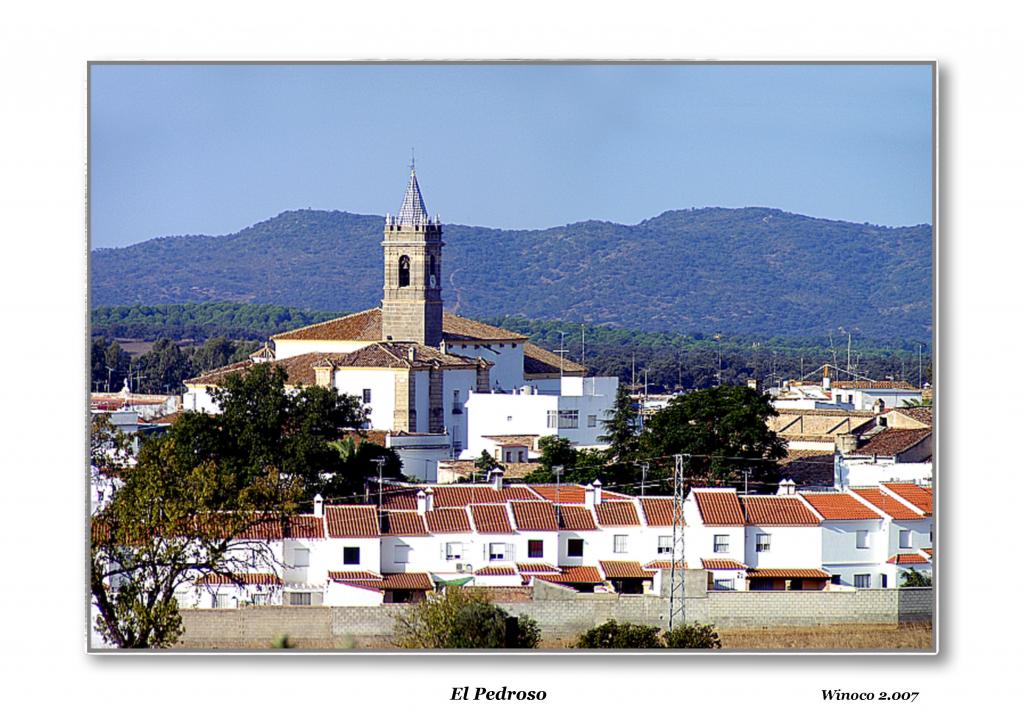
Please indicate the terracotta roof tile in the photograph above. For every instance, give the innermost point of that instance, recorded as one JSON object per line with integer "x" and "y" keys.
{"x": 448, "y": 520}
{"x": 243, "y": 578}
{"x": 530, "y": 568}
{"x": 576, "y": 575}
{"x": 722, "y": 564}
{"x": 496, "y": 570}
{"x": 352, "y": 521}
{"x": 365, "y": 326}
{"x": 534, "y": 515}
{"x": 618, "y": 569}
{"x": 918, "y": 496}
{"x": 871, "y": 384}
{"x": 777, "y": 511}
{"x": 407, "y": 581}
{"x": 719, "y": 507}
{"x": 616, "y": 513}
{"x": 571, "y": 493}
{"x": 445, "y": 496}
{"x": 888, "y": 504}
{"x": 893, "y": 442}
{"x": 922, "y": 415}
{"x": 658, "y": 512}
{"x": 908, "y": 559}
{"x": 458, "y": 329}
{"x": 662, "y": 564}
{"x": 537, "y": 360}
{"x": 576, "y": 518}
{"x": 304, "y": 526}
{"x": 403, "y": 523}
{"x": 491, "y": 519}
{"x": 342, "y": 575}
{"x": 789, "y": 573}
{"x": 840, "y": 507}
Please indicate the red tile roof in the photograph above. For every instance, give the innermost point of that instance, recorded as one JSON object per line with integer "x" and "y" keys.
{"x": 403, "y": 523}
{"x": 529, "y": 568}
{"x": 571, "y": 493}
{"x": 618, "y": 569}
{"x": 840, "y": 507}
{"x": 243, "y": 578}
{"x": 576, "y": 518}
{"x": 789, "y": 573}
{"x": 407, "y": 581}
{"x": 722, "y": 564}
{"x": 893, "y": 442}
{"x": 777, "y": 511}
{"x": 888, "y": 504}
{"x": 534, "y": 515}
{"x": 662, "y": 565}
{"x": 922, "y": 415}
{"x": 617, "y": 514}
{"x": 352, "y": 521}
{"x": 869, "y": 384}
{"x": 537, "y": 360}
{"x": 305, "y": 526}
{"x": 448, "y": 520}
{"x": 491, "y": 519}
{"x": 343, "y": 575}
{"x": 445, "y": 496}
{"x": 908, "y": 559}
{"x": 365, "y": 326}
{"x": 658, "y": 511}
{"x": 496, "y": 570}
{"x": 575, "y": 575}
{"x": 918, "y": 496}
{"x": 719, "y": 507}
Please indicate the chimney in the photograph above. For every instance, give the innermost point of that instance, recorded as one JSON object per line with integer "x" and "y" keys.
{"x": 846, "y": 443}
{"x": 444, "y": 347}
{"x": 429, "y": 503}
{"x": 597, "y": 492}
{"x": 787, "y": 487}
{"x": 496, "y": 478}
{"x": 421, "y": 502}
{"x": 588, "y": 496}
{"x": 412, "y": 354}
{"x": 826, "y": 381}
{"x": 318, "y": 506}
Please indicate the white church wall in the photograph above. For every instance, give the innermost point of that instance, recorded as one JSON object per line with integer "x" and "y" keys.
{"x": 290, "y": 348}
{"x": 507, "y": 370}
{"x": 381, "y": 383}
{"x": 422, "y": 380}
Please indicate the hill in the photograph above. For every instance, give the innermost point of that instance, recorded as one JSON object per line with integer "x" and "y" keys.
{"x": 752, "y": 271}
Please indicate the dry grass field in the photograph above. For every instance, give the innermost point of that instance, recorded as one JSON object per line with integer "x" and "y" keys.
{"x": 910, "y": 636}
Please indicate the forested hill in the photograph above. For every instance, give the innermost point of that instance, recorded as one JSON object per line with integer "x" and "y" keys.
{"x": 752, "y": 271}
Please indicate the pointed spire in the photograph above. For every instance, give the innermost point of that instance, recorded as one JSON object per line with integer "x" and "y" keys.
{"x": 412, "y": 212}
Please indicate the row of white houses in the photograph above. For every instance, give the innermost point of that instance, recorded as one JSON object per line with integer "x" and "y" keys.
{"x": 585, "y": 538}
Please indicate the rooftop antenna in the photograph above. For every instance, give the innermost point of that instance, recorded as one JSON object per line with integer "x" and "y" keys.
{"x": 583, "y": 337}
{"x": 561, "y": 353}
{"x": 412, "y": 162}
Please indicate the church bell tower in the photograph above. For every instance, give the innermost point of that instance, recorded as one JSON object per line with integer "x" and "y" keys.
{"x": 412, "y": 310}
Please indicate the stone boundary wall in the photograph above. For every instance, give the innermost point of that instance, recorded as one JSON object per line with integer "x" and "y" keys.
{"x": 560, "y": 616}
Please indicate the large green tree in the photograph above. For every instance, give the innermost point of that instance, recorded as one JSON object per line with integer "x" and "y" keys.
{"x": 722, "y": 429}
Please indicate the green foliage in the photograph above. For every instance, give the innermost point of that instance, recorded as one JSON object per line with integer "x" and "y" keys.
{"x": 736, "y": 271}
{"x": 724, "y": 429}
{"x": 484, "y": 463}
{"x": 282, "y": 642}
{"x": 692, "y": 637}
{"x": 613, "y": 635}
{"x": 578, "y": 466}
{"x": 620, "y": 432}
{"x": 915, "y": 579}
{"x": 460, "y": 618}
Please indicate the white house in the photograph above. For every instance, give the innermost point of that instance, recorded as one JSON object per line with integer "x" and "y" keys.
{"x": 854, "y": 540}
{"x": 783, "y": 543}
{"x": 908, "y": 528}
{"x": 873, "y": 394}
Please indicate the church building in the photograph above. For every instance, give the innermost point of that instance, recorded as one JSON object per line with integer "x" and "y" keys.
{"x": 441, "y": 386}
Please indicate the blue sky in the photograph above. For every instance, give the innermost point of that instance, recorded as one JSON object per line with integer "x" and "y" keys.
{"x": 187, "y": 149}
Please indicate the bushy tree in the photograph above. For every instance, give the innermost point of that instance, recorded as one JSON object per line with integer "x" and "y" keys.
{"x": 915, "y": 579}
{"x": 460, "y": 618}
{"x": 484, "y": 463}
{"x": 620, "y": 433}
{"x": 620, "y": 636}
{"x": 692, "y": 637}
{"x": 578, "y": 465}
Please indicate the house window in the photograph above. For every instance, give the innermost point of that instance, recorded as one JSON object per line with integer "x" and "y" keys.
{"x": 300, "y": 558}
{"x": 725, "y": 584}
{"x": 220, "y": 601}
{"x": 591, "y": 421}
{"x": 403, "y": 271}
{"x": 300, "y": 598}
{"x": 568, "y": 418}
{"x": 261, "y": 599}
{"x": 499, "y": 551}
{"x": 837, "y": 579}
{"x": 552, "y": 419}
{"x": 905, "y": 539}
{"x": 862, "y": 581}
{"x": 721, "y": 543}
{"x": 366, "y": 396}
{"x": 885, "y": 580}
{"x": 402, "y": 553}
{"x": 862, "y": 539}
{"x": 453, "y": 551}
{"x": 574, "y": 548}
{"x": 620, "y": 544}
{"x": 764, "y": 542}
{"x": 350, "y": 556}
{"x": 664, "y": 544}
{"x": 535, "y": 549}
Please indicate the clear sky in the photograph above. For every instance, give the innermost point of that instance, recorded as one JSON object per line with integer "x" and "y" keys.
{"x": 187, "y": 149}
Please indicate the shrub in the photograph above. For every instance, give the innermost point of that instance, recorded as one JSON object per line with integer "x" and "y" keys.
{"x": 463, "y": 619}
{"x": 693, "y": 637}
{"x": 914, "y": 579}
{"x": 615, "y": 636}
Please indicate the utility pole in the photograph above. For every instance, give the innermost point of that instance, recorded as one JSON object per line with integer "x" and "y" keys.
{"x": 677, "y": 582}
{"x": 380, "y": 491}
{"x": 561, "y": 353}
{"x": 920, "y": 380}
{"x": 583, "y": 337}
{"x": 746, "y": 475}
{"x": 643, "y": 477}
{"x": 557, "y": 471}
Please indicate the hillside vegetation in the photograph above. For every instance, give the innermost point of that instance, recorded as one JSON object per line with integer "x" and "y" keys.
{"x": 750, "y": 271}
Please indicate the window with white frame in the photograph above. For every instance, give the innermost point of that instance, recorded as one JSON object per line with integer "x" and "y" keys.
{"x": 620, "y": 544}
{"x": 453, "y": 551}
{"x": 905, "y": 539}
{"x": 591, "y": 420}
{"x": 300, "y": 598}
{"x": 725, "y": 584}
{"x": 552, "y": 419}
{"x": 664, "y": 544}
{"x": 261, "y": 599}
{"x": 402, "y": 553}
{"x": 534, "y": 549}
{"x": 366, "y": 396}
{"x": 221, "y": 601}
{"x": 568, "y": 418}
{"x": 722, "y": 543}
{"x": 764, "y": 542}
{"x": 300, "y": 557}
{"x": 499, "y": 551}
{"x": 862, "y": 539}
{"x": 862, "y": 581}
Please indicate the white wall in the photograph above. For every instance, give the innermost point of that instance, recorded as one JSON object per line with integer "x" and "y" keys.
{"x": 507, "y": 371}
{"x": 920, "y": 535}
{"x": 199, "y": 399}
{"x": 421, "y": 380}
{"x": 495, "y": 414}
{"x": 857, "y": 472}
{"x": 381, "y": 383}
{"x": 290, "y": 348}
{"x": 464, "y": 381}
{"x": 790, "y": 547}
{"x": 340, "y": 594}
{"x": 866, "y": 398}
